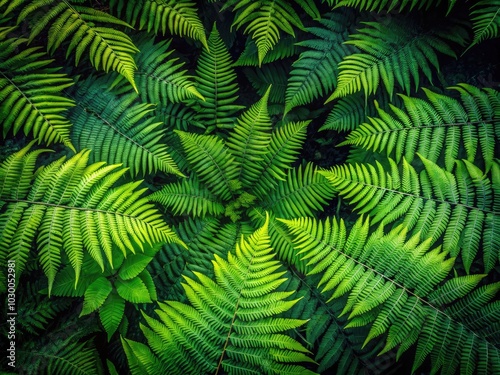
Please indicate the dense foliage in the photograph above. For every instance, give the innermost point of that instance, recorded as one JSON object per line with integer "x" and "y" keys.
{"x": 250, "y": 187}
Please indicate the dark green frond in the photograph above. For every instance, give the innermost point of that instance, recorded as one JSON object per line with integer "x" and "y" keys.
{"x": 485, "y": 15}
{"x": 118, "y": 130}
{"x": 231, "y": 322}
{"x": 399, "y": 5}
{"x": 30, "y": 94}
{"x": 393, "y": 53}
{"x": 389, "y": 288}
{"x": 264, "y": 19}
{"x": 178, "y": 17}
{"x": 286, "y": 141}
{"x": 159, "y": 76}
{"x": 108, "y": 48}
{"x": 212, "y": 162}
{"x": 74, "y": 358}
{"x": 302, "y": 193}
{"x": 459, "y": 208}
{"x": 188, "y": 197}
{"x": 217, "y": 84}
{"x": 286, "y": 47}
{"x": 274, "y": 75}
{"x": 72, "y": 207}
{"x": 438, "y": 128}
{"x": 249, "y": 140}
{"x": 314, "y": 73}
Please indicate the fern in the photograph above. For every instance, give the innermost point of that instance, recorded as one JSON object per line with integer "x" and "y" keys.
{"x": 217, "y": 84}
{"x": 108, "y": 48}
{"x": 389, "y": 5}
{"x": 436, "y": 127}
{"x": 392, "y": 53}
{"x": 314, "y": 72}
{"x": 286, "y": 47}
{"x": 119, "y": 131}
{"x": 387, "y": 282}
{"x": 265, "y": 18}
{"x": 274, "y": 76}
{"x": 485, "y": 16}
{"x": 239, "y": 331}
{"x": 69, "y": 206}
{"x": 460, "y": 208}
{"x": 159, "y": 78}
{"x": 178, "y": 17}
{"x": 30, "y": 94}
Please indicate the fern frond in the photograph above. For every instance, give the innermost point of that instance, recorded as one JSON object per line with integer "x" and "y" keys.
{"x": 302, "y": 193}
{"x": 73, "y": 357}
{"x": 178, "y": 17}
{"x": 485, "y": 16}
{"x": 437, "y": 127}
{"x": 108, "y": 48}
{"x": 285, "y": 47}
{"x": 392, "y": 53}
{"x": 159, "y": 77}
{"x": 31, "y": 94}
{"x": 232, "y": 318}
{"x": 286, "y": 141}
{"x": 314, "y": 72}
{"x": 458, "y": 208}
{"x": 69, "y": 194}
{"x": 212, "y": 162}
{"x": 119, "y": 131}
{"x": 392, "y": 283}
{"x": 216, "y": 80}
{"x": 274, "y": 75}
{"x": 249, "y": 140}
{"x": 265, "y": 18}
{"x": 379, "y": 5}
{"x": 188, "y": 197}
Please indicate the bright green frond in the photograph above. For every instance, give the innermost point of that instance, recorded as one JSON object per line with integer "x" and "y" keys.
{"x": 178, "y": 17}
{"x": 108, "y": 48}
{"x": 439, "y": 127}
{"x": 459, "y": 208}
{"x": 119, "y": 130}
{"x": 228, "y": 320}
{"x": 386, "y": 279}
{"x": 66, "y": 194}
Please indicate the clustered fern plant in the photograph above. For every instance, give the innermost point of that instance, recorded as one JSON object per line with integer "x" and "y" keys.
{"x": 173, "y": 201}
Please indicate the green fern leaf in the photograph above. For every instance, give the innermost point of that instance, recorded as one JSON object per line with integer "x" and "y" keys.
{"x": 434, "y": 128}
{"x": 379, "y": 5}
{"x": 133, "y": 266}
{"x": 178, "y": 17}
{"x": 286, "y": 47}
{"x": 109, "y": 49}
{"x": 314, "y": 72}
{"x": 274, "y": 75}
{"x": 106, "y": 216}
{"x": 30, "y": 95}
{"x": 234, "y": 316}
{"x": 95, "y": 295}
{"x": 111, "y": 313}
{"x": 74, "y": 358}
{"x": 392, "y": 53}
{"x": 387, "y": 279}
{"x": 213, "y": 163}
{"x": 159, "y": 78}
{"x": 133, "y": 290}
{"x": 249, "y": 140}
{"x": 301, "y": 194}
{"x": 265, "y": 18}
{"x": 485, "y": 15}
{"x": 217, "y": 84}
{"x": 437, "y": 203}
{"x": 188, "y": 197}
{"x": 119, "y": 131}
